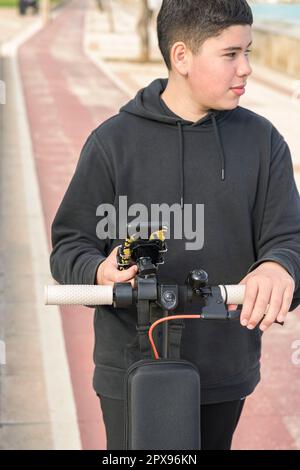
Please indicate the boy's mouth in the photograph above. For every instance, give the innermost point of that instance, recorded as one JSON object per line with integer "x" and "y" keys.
{"x": 239, "y": 90}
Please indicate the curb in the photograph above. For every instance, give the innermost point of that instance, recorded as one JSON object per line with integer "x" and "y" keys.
{"x": 61, "y": 404}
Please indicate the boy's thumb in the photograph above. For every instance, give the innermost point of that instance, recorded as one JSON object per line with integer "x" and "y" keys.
{"x": 232, "y": 307}
{"x": 127, "y": 274}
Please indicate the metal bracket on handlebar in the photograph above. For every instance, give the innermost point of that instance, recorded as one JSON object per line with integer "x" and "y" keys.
{"x": 215, "y": 308}
{"x": 168, "y": 297}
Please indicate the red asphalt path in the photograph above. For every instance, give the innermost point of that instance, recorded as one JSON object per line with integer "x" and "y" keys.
{"x": 57, "y": 79}
{"x": 66, "y": 98}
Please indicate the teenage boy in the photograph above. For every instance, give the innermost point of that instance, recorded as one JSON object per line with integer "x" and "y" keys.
{"x": 186, "y": 141}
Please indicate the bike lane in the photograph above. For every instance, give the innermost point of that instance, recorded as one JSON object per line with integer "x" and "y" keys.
{"x": 57, "y": 82}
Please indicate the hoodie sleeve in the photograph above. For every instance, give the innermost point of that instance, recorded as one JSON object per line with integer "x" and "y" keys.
{"x": 279, "y": 239}
{"x": 76, "y": 250}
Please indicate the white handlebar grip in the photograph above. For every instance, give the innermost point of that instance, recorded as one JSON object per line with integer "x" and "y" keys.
{"x": 235, "y": 294}
{"x": 78, "y": 295}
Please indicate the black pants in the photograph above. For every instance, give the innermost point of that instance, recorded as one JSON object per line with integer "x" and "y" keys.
{"x": 218, "y": 423}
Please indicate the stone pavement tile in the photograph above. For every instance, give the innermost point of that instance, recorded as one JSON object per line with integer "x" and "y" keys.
{"x": 11, "y": 23}
{"x": 20, "y": 318}
{"x": 19, "y": 288}
{"x": 259, "y": 403}
{"x": 12, "y": 187}
{"x": 262, "y": 433}
{"x": 282, "y": 392}
{"x": 34, "y": 436}
{"x": 23, "y": 399}
{"x": 23, "y": 356}
{"x": 93, "y": 434}
{"x": 292, "y": 424}
{"x": 19, "y": 258}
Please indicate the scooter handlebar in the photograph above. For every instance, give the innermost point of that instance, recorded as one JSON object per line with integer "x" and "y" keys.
{"x": 78, "y": 295}
{"x": 103, "y": 295}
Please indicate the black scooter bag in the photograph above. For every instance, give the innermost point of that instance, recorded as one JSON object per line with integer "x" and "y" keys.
{"x": 162, "y": 405}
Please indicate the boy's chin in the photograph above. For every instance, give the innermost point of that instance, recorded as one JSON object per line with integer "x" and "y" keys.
{"x": 226, "y": 107}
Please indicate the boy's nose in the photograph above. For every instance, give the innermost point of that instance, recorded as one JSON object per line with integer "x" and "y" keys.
{"x": 244, "y": 68}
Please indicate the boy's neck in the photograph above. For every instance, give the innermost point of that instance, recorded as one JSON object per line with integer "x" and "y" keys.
{"x": 177, "y": 99}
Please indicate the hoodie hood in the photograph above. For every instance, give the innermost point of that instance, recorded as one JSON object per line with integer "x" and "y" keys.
{"x": 148, "y": 104}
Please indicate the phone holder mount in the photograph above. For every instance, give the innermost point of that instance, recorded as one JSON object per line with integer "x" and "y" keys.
{"x": 195, "y": 296}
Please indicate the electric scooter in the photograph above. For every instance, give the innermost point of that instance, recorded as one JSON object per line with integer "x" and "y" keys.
{"x": 162, "y": 394}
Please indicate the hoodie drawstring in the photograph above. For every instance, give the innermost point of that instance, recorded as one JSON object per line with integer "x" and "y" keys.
{"x": 181, "y": 155}
{"x": 221, "y": 151}
{"x": 181, "y": 163}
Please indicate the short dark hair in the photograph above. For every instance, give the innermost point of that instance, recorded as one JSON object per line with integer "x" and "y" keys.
{"x": 194, "y": 21}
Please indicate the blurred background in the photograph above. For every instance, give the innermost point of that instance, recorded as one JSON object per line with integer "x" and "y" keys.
{"x": 65, "y": 67}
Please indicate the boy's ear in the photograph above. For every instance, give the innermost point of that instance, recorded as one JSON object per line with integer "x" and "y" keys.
{"x": 180, "y": 58}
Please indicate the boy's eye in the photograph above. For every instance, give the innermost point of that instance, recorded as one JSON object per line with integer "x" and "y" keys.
{"x": 233, "y": 54}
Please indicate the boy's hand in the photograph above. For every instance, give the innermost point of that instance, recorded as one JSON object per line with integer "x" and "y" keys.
{"x": 269, "y": 292}
{"x": 108, "y": 272}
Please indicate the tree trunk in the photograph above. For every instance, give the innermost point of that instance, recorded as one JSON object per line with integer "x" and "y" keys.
{"x": 45, "y": 11}
{"x": 143, "y": 31}
{"x": 105, "y": 6}
{"x": 109, "y": 10}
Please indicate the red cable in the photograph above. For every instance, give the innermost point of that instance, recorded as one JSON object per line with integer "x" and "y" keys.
{"x": 173, "y": 317}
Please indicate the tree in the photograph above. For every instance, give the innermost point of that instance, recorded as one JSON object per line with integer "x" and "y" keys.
{"x": 45, "y": 10}
{"x": 143, "y": 30}
{"x": 105, "y": 6}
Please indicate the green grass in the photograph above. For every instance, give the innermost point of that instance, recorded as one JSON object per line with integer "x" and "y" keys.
{"x": 8, "y": 3}
{"x": 14, "y": 3}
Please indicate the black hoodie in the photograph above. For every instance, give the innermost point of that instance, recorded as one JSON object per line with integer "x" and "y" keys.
{"x": 239, "y": 167}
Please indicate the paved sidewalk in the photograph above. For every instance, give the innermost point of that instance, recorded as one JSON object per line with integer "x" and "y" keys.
{"x": 28, "y": 412}
{"x": 11, "y": 23}
{"x": 72, "y": 82}
{"x": 24, "y": 417}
